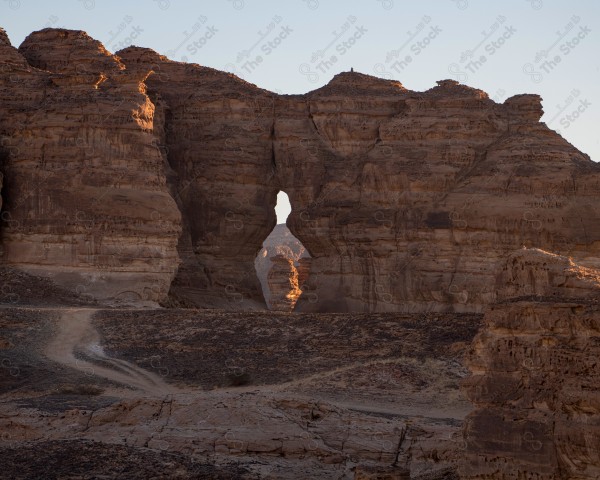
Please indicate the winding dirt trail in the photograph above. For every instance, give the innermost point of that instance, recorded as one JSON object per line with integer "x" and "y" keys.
{"x": 76, "y": 334}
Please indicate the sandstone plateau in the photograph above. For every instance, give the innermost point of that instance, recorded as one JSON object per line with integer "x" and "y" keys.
{"x": 131, "y": 177}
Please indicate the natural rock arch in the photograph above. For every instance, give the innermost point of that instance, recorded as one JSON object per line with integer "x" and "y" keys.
{"x": 406, "y": 200}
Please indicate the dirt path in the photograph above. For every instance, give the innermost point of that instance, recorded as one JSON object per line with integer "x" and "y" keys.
{"x": 75, "y": 334}
{"x": 77, "y": 344}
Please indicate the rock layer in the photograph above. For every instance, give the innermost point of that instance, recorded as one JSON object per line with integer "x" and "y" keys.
{"x": 535, "y": 375}
{"x": 86, "y": 198}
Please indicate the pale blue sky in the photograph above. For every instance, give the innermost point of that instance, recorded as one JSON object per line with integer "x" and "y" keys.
{"x": 549, "y": 47}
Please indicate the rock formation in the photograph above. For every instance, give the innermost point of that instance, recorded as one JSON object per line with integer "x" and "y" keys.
{"x": 534, "y": 272}
{"x": 406, "y": 201}
{"x": 535, "y": 374}
{"x": 283, "y": 284}
{"x": 86, "y": 200}
{"x": 217, "y": 134}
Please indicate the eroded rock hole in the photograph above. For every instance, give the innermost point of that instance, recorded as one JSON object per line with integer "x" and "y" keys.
{"x": 282, "y": 265}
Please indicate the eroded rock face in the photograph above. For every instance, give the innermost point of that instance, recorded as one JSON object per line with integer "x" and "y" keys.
{"x": 86, "y": 200}
{"x": 283, "y": 284}
{"x": 531, "y": 271}
{"x": 535, "y": 375}
{"x": 406, "y": 201}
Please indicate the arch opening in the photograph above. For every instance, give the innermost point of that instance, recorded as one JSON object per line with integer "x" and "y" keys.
{"x": 283, "y": 263}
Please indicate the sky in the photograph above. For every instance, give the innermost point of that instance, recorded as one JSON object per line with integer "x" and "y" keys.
{"x": 548, "y": 47}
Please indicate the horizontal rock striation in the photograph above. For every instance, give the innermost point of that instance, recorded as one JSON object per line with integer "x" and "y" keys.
{"x": 535, "y": 375}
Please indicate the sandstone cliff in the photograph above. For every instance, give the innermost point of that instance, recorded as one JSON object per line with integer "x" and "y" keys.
{"x": 535, "y": 375}
{"x": 406, "y": 201}
{"x": 86, "y": 201}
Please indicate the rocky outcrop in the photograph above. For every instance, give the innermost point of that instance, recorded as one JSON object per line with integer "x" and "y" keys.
{"x": 283, "y": 284}
{"x": 406, "y": 201}
{"x": 86, "y": 200}
{"x": 535, "y": 375}
{"x": 534, "y": 272}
